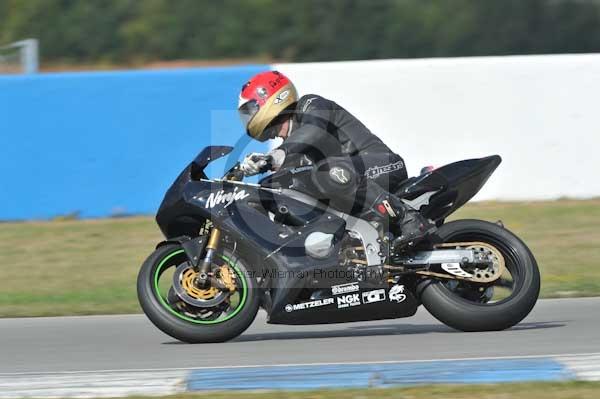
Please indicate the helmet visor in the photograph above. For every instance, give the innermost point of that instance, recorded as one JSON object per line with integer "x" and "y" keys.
{"x": 247, "y": 112}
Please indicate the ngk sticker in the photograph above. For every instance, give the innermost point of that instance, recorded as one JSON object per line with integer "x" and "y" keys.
{"x": 345, "y": 301}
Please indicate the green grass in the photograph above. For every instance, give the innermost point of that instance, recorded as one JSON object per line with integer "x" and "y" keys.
{"x": 563, "y": 235}
{"x": 570, "y": 390}
{"x": 72, "y": 267}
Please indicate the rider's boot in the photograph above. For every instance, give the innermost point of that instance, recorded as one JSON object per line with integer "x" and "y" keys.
{"x": 413, "y": 228}
{"x": 406, "y": 223}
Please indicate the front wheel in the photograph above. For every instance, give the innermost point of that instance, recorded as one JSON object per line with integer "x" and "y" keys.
{"x": 171, "y": 300}
{"x": 492, "y": 306}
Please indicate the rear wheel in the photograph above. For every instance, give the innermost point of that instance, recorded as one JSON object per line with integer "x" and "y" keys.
{"x": 496, "y": 305}
{"x": 171, "y": 300}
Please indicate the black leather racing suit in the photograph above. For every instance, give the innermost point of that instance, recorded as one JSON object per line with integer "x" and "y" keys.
{"x": 325, "y": 134}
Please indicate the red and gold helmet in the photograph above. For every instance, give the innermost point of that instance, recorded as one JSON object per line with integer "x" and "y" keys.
{"x": 262, "y": 99}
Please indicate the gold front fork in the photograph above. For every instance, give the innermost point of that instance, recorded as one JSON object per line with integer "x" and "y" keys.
{"x": 213, "y": 240}
{"x": 211, "y": 249}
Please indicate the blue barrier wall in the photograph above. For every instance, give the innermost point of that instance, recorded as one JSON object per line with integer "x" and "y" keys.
{"x": 109, "y": 142}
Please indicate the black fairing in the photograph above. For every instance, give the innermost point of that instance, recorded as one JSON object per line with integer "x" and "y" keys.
{"x": 172, "y": 217}
{"x": 450, "y": 186}
{"x": 276, "y": 248}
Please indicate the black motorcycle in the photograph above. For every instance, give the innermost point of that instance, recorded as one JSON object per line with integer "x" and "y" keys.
{"x": 233, "y": 247}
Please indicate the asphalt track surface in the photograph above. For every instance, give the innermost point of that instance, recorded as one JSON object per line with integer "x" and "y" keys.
{"x": 131, "y": 342}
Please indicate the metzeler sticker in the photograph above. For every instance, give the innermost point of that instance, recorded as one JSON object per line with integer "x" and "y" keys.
{"x": 373, "y": 296}
{"x": 345, "y": 301}
{"x": 344, "y": 288}
{"x": 397, "y": 293}
{"x": 307, "y": 305}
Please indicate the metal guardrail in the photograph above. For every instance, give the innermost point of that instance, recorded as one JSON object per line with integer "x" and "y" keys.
{"x": 29, "y": 54}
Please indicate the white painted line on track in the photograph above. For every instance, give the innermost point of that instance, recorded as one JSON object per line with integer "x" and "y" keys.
{"x": 113, "y": 383}
{"x": 562, "y": 355}
{"x": 95, "y": 385}
{"x": 585, "y": 367}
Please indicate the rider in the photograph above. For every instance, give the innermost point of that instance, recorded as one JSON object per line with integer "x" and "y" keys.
{"x": 353, "y": 169}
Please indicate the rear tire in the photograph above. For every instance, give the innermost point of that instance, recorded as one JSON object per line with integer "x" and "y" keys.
{"x": 169, "y": 322}
{"x": 462, "y": 314}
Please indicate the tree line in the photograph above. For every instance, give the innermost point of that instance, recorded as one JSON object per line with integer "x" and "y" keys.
{"x": 129, "y": 31}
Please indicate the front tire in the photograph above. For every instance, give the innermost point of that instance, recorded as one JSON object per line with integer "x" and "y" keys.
{"x": 184, "y": 328}
{"x": 465, "y": 313}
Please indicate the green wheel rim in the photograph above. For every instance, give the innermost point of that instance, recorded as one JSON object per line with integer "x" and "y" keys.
{"x": 183, "y": 317}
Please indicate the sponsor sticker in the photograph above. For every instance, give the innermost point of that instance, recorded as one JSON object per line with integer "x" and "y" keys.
{"x": 375, "y": 171}
{"x": 373, "y": 296}
{"x": 397, "y": 293}
{"x": 339, "y": 175}
{"x": 345, "y": 301}
{"x": 344, "y": 288}
{"x": 307, "y": 104}
{"x": 227, "y": 198}
{"x": 282, "y": 96}
{"x": 300, "y": 169}
{"x": 307, "y": 305}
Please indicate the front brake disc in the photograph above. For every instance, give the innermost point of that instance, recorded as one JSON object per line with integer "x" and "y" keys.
{"x": 185, "y": 287}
